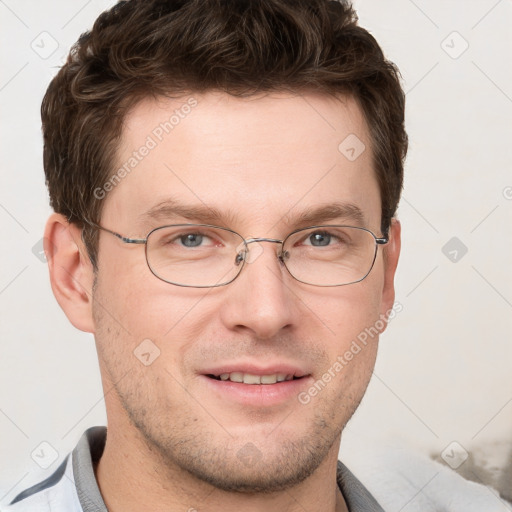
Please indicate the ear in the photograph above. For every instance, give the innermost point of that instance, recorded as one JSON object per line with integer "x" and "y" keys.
{"x": 71, "y": 271}
{"x": 391, "y": 255}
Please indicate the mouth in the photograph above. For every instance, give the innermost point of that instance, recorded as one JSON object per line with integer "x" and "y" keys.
{"x": 254, "y": 379}
{"x": 256, "y": 385}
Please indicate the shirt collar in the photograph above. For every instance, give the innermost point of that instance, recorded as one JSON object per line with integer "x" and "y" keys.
{"x": 357, "y": 497}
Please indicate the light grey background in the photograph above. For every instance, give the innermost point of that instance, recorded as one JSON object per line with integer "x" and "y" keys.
{"x": 443, "y": 372}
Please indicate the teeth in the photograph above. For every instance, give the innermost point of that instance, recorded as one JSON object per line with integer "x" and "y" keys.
{"x": 269, "y": 379}
{"x": 249, "y": 378}
{"x": 252, "y": 379}
{"x": 236, "y": 377}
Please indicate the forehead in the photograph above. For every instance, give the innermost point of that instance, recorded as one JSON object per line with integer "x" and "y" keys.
{"x": 255, "y": 159}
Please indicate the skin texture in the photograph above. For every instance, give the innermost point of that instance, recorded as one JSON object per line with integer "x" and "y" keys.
{"x": 174, "y": 443}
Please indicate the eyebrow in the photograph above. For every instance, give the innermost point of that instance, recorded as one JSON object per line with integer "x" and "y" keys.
{"x": 328, "y": 212}
{"x": 171, "y": 208}
{"x": 203, "y": 214}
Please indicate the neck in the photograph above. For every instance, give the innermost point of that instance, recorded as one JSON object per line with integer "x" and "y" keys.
{"x": 132, "y": 476}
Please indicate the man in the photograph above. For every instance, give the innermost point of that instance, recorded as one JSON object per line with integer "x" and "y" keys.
{"x": 224, "y": 176}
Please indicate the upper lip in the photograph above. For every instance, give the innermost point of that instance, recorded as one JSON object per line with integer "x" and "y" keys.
{"x": 256, "y": 369}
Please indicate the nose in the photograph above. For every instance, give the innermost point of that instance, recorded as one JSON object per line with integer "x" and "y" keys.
{"x": 260, "y": 299}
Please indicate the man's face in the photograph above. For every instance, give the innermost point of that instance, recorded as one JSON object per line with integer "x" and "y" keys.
{"x": 261, "y": 162}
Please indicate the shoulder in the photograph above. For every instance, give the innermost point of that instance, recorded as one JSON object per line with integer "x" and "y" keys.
{"x": 57, "y": 493}
{"x": 402, "y": 478}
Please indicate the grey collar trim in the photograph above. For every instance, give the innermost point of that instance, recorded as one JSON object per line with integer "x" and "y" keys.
{"x": 356, "y": 495}
{"x": 86, "y": 453}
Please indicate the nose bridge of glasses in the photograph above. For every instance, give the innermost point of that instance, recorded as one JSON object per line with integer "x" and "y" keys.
{"x": 273, "y": 240}
{"x": 257, "y": 240}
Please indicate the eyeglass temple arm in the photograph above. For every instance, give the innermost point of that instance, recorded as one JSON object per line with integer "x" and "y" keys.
{"x": 129, "y": 240}
{"x": 117, "y": 235}
{"x": 125, "y": 239}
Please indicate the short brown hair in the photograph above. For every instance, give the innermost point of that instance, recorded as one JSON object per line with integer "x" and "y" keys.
{"x": 142, "y": 48}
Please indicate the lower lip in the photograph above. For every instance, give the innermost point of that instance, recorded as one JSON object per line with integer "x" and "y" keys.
{"x": 263, "y": 395}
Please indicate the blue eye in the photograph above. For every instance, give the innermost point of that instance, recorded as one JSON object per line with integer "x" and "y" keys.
{"x": 320, "y": 239}
{"x": 191, "y": 240}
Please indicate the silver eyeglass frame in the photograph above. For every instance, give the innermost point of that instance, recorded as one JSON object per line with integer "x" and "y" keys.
{"x": 282, "y": 256}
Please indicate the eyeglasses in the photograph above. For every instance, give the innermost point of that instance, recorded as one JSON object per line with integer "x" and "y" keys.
{"x": 206, "y": 256}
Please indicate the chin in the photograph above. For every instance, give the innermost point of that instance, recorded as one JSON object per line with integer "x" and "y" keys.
{"x": 248, "y": 470}
{"x": 248, "y": 462}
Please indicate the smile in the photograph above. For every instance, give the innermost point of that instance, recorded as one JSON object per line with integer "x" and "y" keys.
{"x": 249, "y": 378}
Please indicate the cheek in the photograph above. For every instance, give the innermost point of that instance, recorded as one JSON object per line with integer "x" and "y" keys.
{"x": 353, "y": 324}
{"x": 348, "y": 311}
{"x": 142, "y": 319}
{"x": 142, "y": 304}
{"x": 353, "y": 348}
